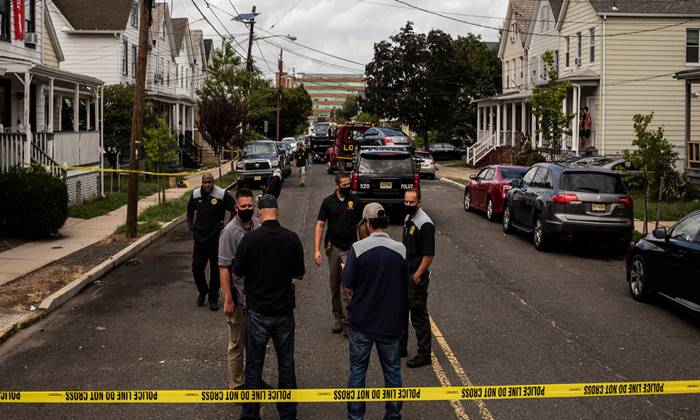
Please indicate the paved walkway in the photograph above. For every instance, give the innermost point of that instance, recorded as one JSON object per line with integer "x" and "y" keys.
{"x": 79, "y": 233}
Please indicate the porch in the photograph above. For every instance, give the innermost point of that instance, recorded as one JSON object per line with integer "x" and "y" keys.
{"x": 501, "y": 121}
{"x": 179, "y": 112}
{"x": 692, "y": 146}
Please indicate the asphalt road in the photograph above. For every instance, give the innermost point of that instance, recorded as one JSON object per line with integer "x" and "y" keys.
{"x": 509, "y": 314}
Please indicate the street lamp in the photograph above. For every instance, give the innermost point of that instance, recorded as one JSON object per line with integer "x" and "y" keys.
{"x": 289, "y": 37}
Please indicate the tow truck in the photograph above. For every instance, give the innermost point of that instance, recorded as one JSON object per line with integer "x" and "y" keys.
{"x": 345, "y": 146}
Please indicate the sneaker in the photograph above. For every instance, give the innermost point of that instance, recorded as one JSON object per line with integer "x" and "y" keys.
{"x": 214, "y": 306}
{"x": 418, "y": 361}
{"x": 338, "y": 326}
{"x": 200, "y": 299}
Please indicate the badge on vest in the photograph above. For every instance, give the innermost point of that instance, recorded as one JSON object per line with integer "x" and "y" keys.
{"x": 351, "y": 205}
{"x": 214, "y": 201}
{"x": 412, "y": 230}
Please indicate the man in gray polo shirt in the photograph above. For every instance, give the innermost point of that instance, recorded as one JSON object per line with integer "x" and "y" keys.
{"x": 234, "y": 297}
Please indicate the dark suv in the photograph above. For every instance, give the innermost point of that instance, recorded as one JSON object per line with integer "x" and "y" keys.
{"x": 382, "y": 174}
{"x": 554, "y": 201}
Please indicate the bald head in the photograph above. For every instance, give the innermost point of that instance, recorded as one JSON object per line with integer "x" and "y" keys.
{"x": 268, "y": 214}
{"x": 207, "y": 182}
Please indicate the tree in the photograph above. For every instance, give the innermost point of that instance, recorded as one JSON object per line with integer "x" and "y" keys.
{"x": 546, "y": 105}
{"x": 221, "y": 119}
{"x": 295, "y": 109}
{"x": 160, "y": 147}
{"x": 118, "y": 105}
{"x": 367, "y": 117}
{"x": 349, "y": 110}
{"x": 654, "y": 156}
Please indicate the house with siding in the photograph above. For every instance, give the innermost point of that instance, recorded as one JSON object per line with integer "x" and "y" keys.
{"x": 621, "y": 58}
{"x": 49, "y": 113}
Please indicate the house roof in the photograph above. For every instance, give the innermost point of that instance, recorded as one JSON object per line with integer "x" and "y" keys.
{"x": 647, "y": 7}
{"x": 197, "y": 37}
{"x": 159, "y": 13}
{"x": 179, "y": 28}
{"x": 522, "y": 11}
{"x": 96, "y": 15}
{"x": 555, "y": 5}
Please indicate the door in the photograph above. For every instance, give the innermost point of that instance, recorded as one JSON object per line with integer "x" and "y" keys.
{"x": 590, "y": 103}
{"x": 538, "y": 184}
{"x": 681, "y": 262}
{"x": 519, "y": 197}
{"x": 485, "y": 186}
{"x": 477, "y": 189}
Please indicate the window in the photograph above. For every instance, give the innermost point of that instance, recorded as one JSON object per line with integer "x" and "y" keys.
{"x": 540, "y": 180}
{"x": 29, "y": 16}
{"x": 579, "y": 45}
{"x": 687, "y": 230}
{"x": 135, "y": 14}
{"x": 133, "y": 61}
{"x": 177, "y": 74}
{"x": 597, "y": 183}
{"x": 5, "y": 11}
{"x": 522, "y": 68}
{"x": 187, "y": 80}
{"x": 527, "y": 179}
{"x": 167, "y": 74}
{"x": 556, "y": 60}
{"x": 513, "y": 71}
{"x": 533, "y": 66}
{"x": 591, "y": 48}
{"x": 513, "y": 30}
{"x": 692, "y": 45}
{"x": 507, "y": 74}
{"x": 568, "y": 54}
{"x": 125, "y": 58}
{"x": 543, "y": 74}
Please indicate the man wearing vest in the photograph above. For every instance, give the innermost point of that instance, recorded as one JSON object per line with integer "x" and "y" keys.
{"x": 206, "y": 212}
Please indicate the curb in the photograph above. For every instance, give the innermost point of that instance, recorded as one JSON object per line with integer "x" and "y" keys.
{"x": 449, "y": 181}
{"x": 68, "y": 291}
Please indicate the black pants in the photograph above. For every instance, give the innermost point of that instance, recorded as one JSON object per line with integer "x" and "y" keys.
{"x": 418, "y": 310}
{"x": 203, "y": 253}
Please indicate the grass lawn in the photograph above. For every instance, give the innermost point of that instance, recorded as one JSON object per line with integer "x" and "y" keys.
{"x": 453, "y": 163}
{"x": 670, "y": 211}
{"x": 457, "y": 180}
{"x": 111, "y": 202}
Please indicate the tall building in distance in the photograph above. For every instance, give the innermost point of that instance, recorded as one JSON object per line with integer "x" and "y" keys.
{"x": 329, "y": 91}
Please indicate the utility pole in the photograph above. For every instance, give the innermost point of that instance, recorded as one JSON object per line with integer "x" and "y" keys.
{"x": 249, "y": 59}
{"x": 137, "y": 121}
{"x": 279, "y": 93}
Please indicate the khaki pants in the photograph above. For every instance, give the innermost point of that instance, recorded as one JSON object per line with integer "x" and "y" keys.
{"x": 236, "y": 344}
{"x": 302, "y": 173}
{"x": 339, "y": 301}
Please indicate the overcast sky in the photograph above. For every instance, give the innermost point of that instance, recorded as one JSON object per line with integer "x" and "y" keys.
{"x": 345, "y": 28}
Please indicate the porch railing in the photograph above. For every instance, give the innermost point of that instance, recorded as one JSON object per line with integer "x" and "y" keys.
{"x": 479, "y": 150}
{"x": 76, "y": 149}
{"x": 11, "y": 150}
{"x": 40, "y": 157}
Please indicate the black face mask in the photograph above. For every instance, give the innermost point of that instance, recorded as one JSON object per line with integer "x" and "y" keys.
{"x": 411, "y": 210}
{"x": 245, "y": 215}
{"x": 345, "y": 191}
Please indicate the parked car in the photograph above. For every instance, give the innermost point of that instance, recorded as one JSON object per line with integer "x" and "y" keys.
{"x": 554, "y": 201}
{"x": 426, "y": 164}
{"x": 382, "y": 174}
{"x": 382, "y": 136}
{"x": 292, "y": 142}
{"x": 487, "y": 190}
{"x": 666, "y": 262}
{"x": 257, "y": 162}
{"x": 446, "y": 151}
{"x": 285, "y": 153}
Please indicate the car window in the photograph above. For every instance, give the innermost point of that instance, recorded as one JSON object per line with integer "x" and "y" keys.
{"x": 370, "y": 132}
{"x": 393, "y": 132}
{"x": 527, "y": 179}
{"x": 512, "y": 173}
{"x": 392, "y": 164}
{"x": 482, "y": 174}
{"x": 540, "y": 179}
{"x": 489, "y": 174}
{"x": 599, "y": 183}
{"x": 687, "y": 230}
{"x": 259, "y": 149}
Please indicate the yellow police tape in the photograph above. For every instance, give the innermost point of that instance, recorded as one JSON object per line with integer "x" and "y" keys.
{"x": 488, "y": 392}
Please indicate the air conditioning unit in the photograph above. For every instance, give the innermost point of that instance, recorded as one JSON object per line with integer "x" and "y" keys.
{"x": 31, "y": 38}
{"x": 158, "y": 78}
{"x": 577, "y": 61}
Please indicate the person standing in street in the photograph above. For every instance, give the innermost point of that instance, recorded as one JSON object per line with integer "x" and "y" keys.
{"x": 270, "y": 301}
{"x": 206, "y": 212}
{"x": 376, "y": 275}
{"x": 301, "y": 157}
{"x": 419, "y": 239}
{"x": 234, "y": 292}
{"x": 339, "y": 212}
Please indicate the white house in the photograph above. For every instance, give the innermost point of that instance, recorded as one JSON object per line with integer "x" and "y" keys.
{"x": 49, "y": 114}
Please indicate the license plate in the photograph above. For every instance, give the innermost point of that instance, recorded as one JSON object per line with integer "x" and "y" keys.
{"x": 385, "y": 185}
{"x": 257, "y": 178}
{"x": 598, "y": 207}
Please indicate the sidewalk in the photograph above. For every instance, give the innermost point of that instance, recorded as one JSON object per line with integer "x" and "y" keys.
{"x": 77, "y": 234}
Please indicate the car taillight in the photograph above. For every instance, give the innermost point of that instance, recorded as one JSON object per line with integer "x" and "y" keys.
{"x": 565, "y": 198}
{"x": 627, "y": 201}
{"x": 416, "y": 182}
{"x": 355, "y": 183}
{"x": 388, "y": 140}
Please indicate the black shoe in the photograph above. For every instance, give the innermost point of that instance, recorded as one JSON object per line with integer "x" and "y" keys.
{"x": 200, "y": 299}
{"x": 418, "y": 361}
{"x": 214, "y": 306}
{"x": 338, "y": 326}
{"x": 404, "y": 353}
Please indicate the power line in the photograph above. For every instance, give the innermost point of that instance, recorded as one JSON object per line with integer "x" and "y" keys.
{"x": 315, "y": 60}
{"x": 263, "y": 57}
{"x": 286, "y": 13}
{"x": 315, "y": 50}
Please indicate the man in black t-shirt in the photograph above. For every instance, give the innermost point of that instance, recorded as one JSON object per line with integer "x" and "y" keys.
{"x": 339, "y": 211}
{"x": 206, "y": 212}
{"x": 269, "y": 290}
{"x": 300, "y": 161}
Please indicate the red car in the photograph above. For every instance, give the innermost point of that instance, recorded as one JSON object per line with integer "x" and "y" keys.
{"x": 486, "y": 190}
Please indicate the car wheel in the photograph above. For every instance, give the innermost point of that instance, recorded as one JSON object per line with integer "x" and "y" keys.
{"x": 467, "y": 201}
{"x": 507, "y": 223}
{"x": 489, "y": 210}
{"x": 638, "y": 280}
{"x": 539, "y": 238}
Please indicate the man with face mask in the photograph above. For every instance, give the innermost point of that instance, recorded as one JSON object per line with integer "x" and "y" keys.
{"x": 206, "y": 212}
{"x": 419, "y": 239}
{"x": 339, "y": 211}
{"x": 233, "y": 291}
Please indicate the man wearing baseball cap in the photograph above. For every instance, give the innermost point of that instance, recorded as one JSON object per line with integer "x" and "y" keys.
{"x": 376, "y": 275}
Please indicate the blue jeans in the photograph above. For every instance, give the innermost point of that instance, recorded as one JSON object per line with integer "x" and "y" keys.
{"x": 389, "y": 351}
{"x": 259, "y": 330}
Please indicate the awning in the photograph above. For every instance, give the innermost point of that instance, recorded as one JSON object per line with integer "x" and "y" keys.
{"x": 582, "y": 77}
{"x": 505, "y": 98}
{"x": 167, "y": 97}
{"x": 48, "y": 72}
{"x": 691, "y": 74}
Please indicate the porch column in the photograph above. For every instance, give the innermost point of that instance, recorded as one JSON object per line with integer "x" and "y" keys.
{"x": 27, "y": 125}
{"x": 88, "y": 103}
{"x": 51, "y": 105}
{"x": 177, "y": 119}
{"x": 688, "y": 114}
{"x": 577, "y": 111}
{"x": 192, "y": 121}
{"x": 183, "y": 116}
{"x": 76, "y": 108}
{"x": 478, "y": 121}
{"x": 498, "y": 125}
{"x": 533, "y": 130}
{"x": 566, "y": 109}
{"x": 514, "y": 108}
{"x": 523, "y": 117}
{"x": 97, "y": 108}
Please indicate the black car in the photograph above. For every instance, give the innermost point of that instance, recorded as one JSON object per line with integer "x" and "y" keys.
{"x": 382, "y": 136}
{"x": 666, "y": 262}
{"x": 555, "y": 201}
{"x": 447, "y": 151}
{"x": 258, "y": 161}
{"x": 382, "y": 174}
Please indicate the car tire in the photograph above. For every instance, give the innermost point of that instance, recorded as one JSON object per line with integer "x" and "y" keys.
{"x": 467, "y": 201}
{"x": 638, "y": 280}
{"x": 490, "y": 216}
{"x": 507, "y": 220}
{"x": 539, "y": 238}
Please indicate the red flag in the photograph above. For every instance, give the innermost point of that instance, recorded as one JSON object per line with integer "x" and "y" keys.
{"x": 18, "y": 9}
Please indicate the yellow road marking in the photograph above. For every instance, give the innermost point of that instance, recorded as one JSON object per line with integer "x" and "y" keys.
{"x": 457, "y": 367}
{"x": 444, "y": 381}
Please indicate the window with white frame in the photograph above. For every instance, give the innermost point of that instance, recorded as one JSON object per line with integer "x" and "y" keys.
{"x": 579, "y": 46}
{"x": 543, "y": 70}
{"x": 133, "y": 61}
{"x": 135, "y": 14}
{"x": 567, "y": 57}
{"x": 507, "y": 74}
{"x": 544, "y": 17}
{"x": 591, "y": 47}
{"x": 29, "y": 16}
{"x": 522, "y": 67}
{"x": 513, "y": 70}
{"x": 125, "y": 57}
{"x": 177, "y": 74}
{"x": 513, "y": 30}
{"x": 5, "y": 11}
{"x": 692, "y": 46}
{"x": 533, "y": 66}
{"x": 556, "y": 60}
{"x": 167, "y": 73}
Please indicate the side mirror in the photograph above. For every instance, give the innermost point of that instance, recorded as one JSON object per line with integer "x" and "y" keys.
{"x": 660, "y": 233}
{"x": 474, "y": 177}
{"x": 516, "y": 183}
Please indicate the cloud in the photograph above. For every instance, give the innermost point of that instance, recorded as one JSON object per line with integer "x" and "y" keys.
{"x": 346, "y": 28}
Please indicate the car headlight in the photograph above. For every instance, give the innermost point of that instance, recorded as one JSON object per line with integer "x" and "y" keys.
{"x": 274, "y": 163}
{"x": 240, "y": 165}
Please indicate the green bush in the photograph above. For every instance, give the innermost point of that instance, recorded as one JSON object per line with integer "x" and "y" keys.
{"x": 34, "y": 203}
{"x": 535, "y": 157}
{"x": 677, "y": 186}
